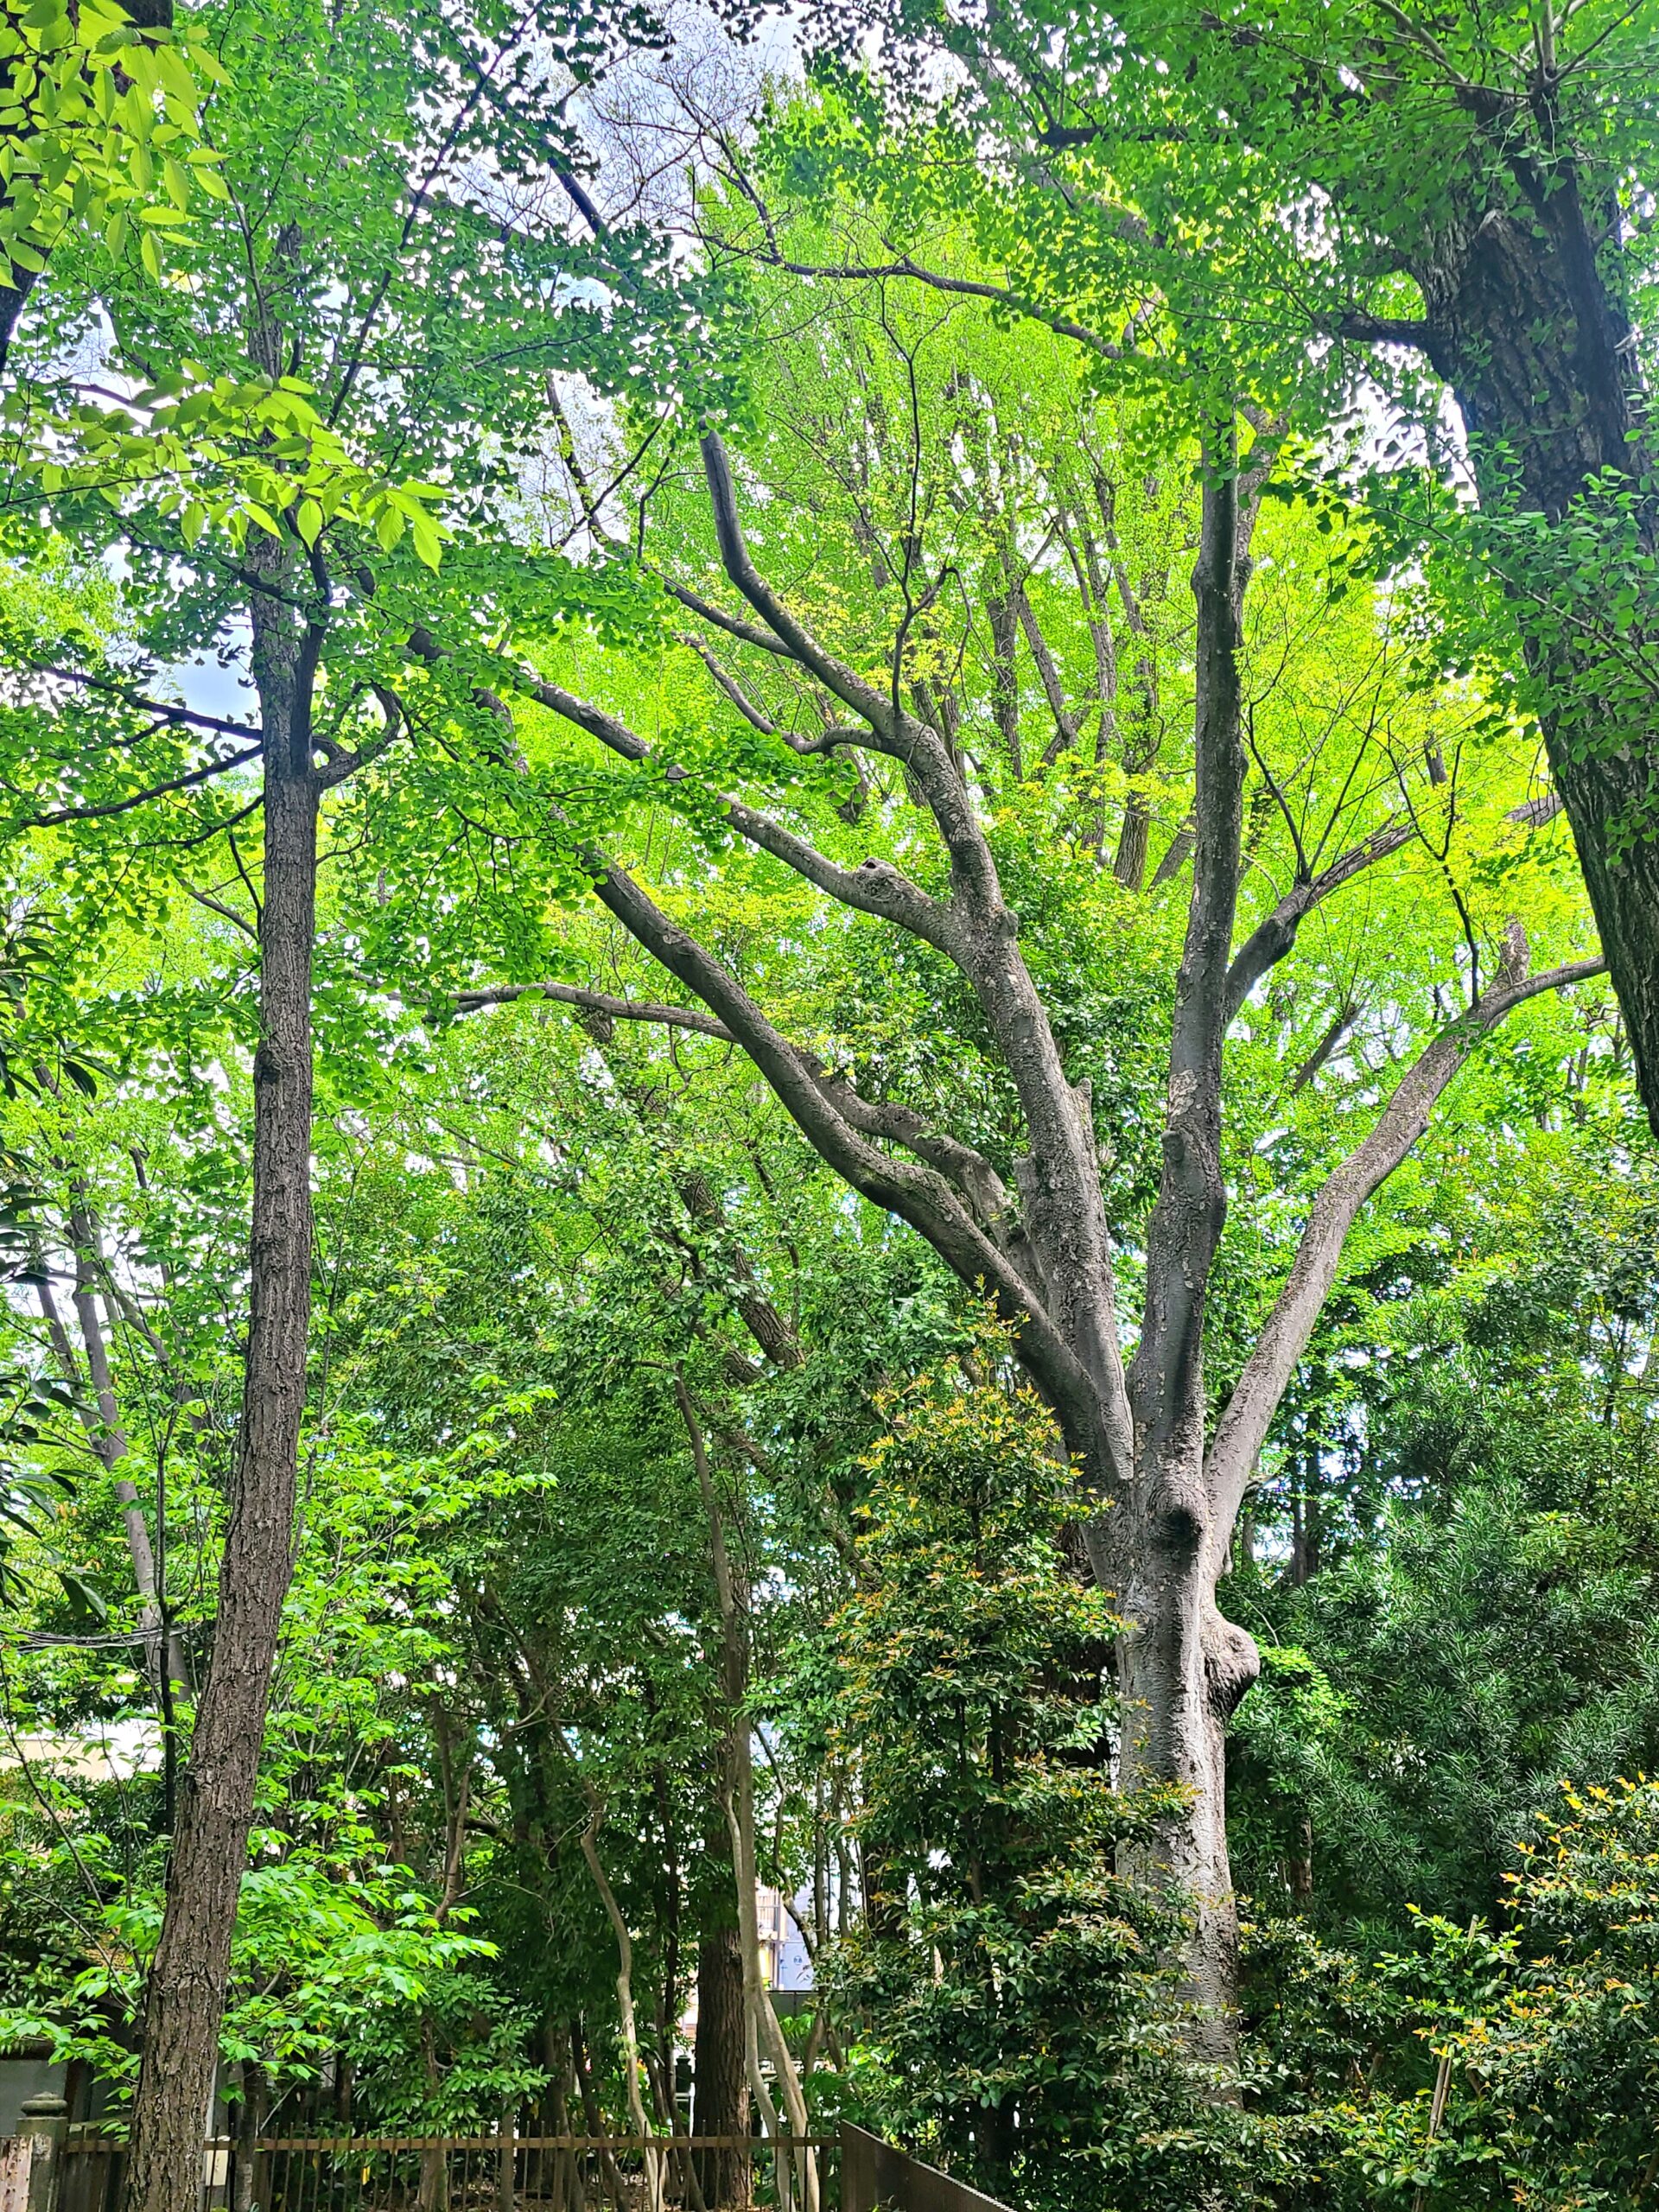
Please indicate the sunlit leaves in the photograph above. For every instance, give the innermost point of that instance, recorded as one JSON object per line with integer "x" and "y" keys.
{"x": 98, "y": 123}
{"x": 251, "y": 455}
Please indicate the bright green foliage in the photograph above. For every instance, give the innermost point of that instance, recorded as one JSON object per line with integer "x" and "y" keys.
{"x": 460, "y": 441}
{"x": 1489, "y": 2066}
{"x": 1468, "y": 1458}
{"x": 99, "y": 126}
{"x": 207, "y": 450}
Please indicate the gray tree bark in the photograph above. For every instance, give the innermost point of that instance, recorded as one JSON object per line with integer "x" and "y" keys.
{"x": 186, "y": 1992}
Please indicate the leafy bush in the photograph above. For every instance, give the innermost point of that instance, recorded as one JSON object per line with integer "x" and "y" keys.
{"x": 1516, "y": 2067}
{"x": 1011, "y": 2001}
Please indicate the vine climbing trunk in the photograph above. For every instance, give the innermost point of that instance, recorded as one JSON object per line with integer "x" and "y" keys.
{"x": 185, "y": 1999}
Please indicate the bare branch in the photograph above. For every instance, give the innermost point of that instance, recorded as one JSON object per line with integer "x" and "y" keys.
{"x": 755, "y": 716}
{"x": 1177, "y": 854}
{"x": 1065, "y": 724}
{"x": 1341, "y": 1022}
{"x": 968, "y": 1170}
{"x": 139, "y": 799}
{"x": 961, "y": 287}
{"x": 1275, "y": 933}
{"x": 164, "y": 710}
{"x": 1062, "y": 1206}
{"x": 218, "y": 906}
{"x": 603, "y": 1003}
{"x": 746, "y": 632}
{"x": 918, "y": 1194}
{"x": 844, "y": 683}
{"x": 1244, "y": 1423}
{"x": 1534, "y": 813}
{"x": 345, "y": 761}
{"x": 613, "y": 734}
{"x": 1365, "y": 329}
{"x": 873, "y": 887}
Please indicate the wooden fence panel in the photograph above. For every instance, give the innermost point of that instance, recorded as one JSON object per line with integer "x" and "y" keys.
{"x": 16, "y": 2155}
{"x": 521, "y": 2173}
{"x": 874, "y": 2174}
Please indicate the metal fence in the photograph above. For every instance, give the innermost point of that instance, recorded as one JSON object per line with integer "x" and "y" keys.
{"x": 482, "y": 2173}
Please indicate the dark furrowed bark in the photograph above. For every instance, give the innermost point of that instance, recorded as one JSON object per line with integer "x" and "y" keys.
{"x": 1623, "y": 880}
{"x": 721, "y": 2088}
{"x": 185, "y": 2000}
{"x": 1525, "y": 325}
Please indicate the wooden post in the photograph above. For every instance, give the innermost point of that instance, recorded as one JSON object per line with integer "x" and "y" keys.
{"x": 505, "y": 2172}
{"x": 45, "y": 2123}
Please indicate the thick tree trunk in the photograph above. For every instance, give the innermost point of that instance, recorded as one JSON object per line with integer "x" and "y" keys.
{"x": 1524, "y": 326}
{"x": 721, "y": 2084}
{"x": 185, "y": 2001}
{"x": 1182, "y": 1670}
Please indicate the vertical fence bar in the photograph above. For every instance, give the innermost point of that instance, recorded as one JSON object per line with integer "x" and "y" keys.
{"x": 44, "y": 2124}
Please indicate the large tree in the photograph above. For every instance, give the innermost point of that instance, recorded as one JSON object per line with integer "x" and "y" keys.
{"x": 910, "y": 489}
{"x": 344, "y": 311}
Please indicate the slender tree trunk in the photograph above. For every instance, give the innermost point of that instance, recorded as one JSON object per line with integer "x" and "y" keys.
{"x": 568, "y": 2193}
{"x": 1299, "y": 1859}
{"x": 762, "y": 2032}
{"x": 432, "y": 2193}
{"x": 626, "y": 2021}
{"x": 185, "y": 2000}
{"x": 251, "y": 2189}
{"x": 109, "y": 1441}
{"x": 593, "y": 2119}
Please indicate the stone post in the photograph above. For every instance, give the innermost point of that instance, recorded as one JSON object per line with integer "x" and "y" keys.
{"x": 45, "y": 2125}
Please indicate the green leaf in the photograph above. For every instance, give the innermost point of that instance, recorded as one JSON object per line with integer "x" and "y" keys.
{"x": 423, "y": 535}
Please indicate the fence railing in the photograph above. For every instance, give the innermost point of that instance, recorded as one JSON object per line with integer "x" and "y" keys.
{"x": 58, "y": 2168}
{"x": 481, "y": 2173}
{"x": 874, "y": 2174}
